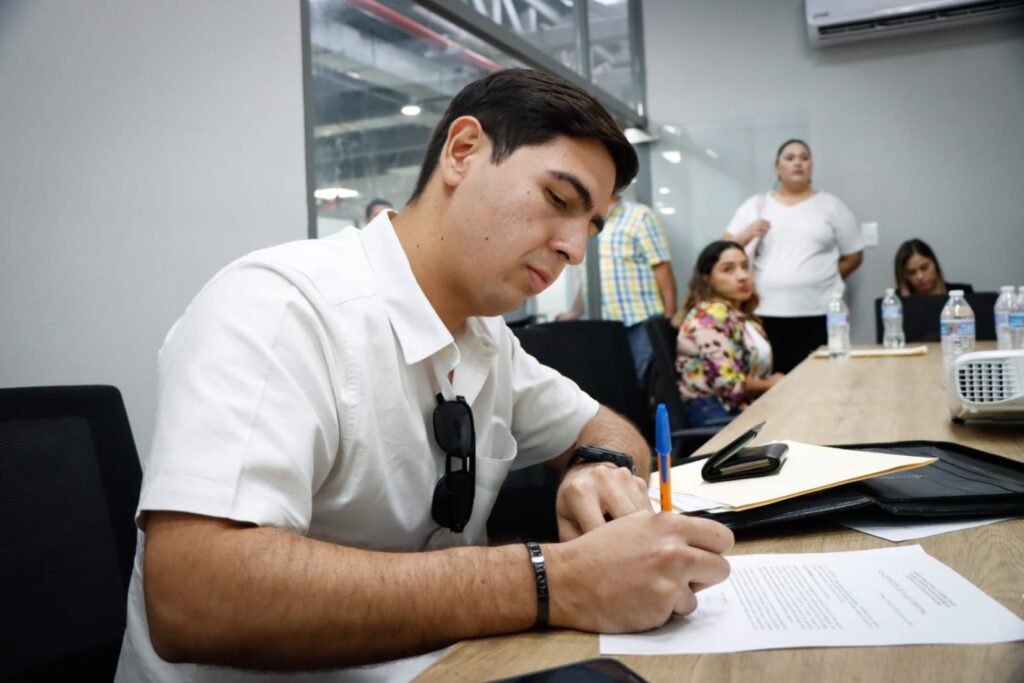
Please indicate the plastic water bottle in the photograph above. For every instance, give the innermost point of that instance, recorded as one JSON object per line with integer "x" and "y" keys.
{"x": 892, "y": 321}
{"x": 957, "y": 327}
{"x": 1004, "y": 305}
{"x": 838, "y": 321}
{"x": 1017, "y": 321}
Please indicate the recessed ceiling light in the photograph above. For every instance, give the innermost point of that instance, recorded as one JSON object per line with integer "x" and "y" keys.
{"x": 672, "y": 156}
{"x": 667, "y": 210}
{"x": 637, "y": 135}
{"x": 711, "y": 153}
{"x": 663, "y": 190}
{"x": 411, "y": 110}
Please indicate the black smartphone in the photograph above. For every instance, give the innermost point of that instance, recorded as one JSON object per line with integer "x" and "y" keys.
{"x": 600, "y": 670}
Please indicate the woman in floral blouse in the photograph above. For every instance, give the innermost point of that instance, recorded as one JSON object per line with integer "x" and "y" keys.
{"x": 723, "y": 360}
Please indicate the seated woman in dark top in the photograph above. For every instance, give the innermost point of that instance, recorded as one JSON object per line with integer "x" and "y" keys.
{"x": 723, "y": 360}
{"x": 918, "y": 271}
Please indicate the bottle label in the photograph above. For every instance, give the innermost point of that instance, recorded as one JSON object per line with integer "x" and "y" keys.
{"x": 1002, "y": 319}
{"x": 889, "y": 312}
{"x": 961, "y": 328}
{"x": 1017, "y": 321}
{"x": 837, "y": 319}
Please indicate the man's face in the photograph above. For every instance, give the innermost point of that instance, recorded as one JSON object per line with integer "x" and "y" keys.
{"x": 517, "y": 224}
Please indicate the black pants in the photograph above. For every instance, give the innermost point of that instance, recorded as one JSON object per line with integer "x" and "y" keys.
{"x": 793, "y": 339}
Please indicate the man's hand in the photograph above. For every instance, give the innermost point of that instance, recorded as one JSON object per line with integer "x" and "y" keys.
{"x": 633, "y": 573}
{"x": 591, "y": 493}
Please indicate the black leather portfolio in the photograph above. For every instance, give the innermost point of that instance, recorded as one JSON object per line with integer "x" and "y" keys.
{"x": 963, "y": 482}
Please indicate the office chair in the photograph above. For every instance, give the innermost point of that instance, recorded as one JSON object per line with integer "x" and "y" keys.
{"x": 921, "y": 314}
{"x": 685, "y": 438}
{"x": 69, "y": 486}
{"x": 596, "y": 355}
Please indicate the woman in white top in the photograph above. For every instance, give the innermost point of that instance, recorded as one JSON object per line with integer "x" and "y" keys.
{"x": 803, "y": 242}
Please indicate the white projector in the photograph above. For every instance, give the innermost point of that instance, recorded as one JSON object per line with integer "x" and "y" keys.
{"x": 987, "y": 385}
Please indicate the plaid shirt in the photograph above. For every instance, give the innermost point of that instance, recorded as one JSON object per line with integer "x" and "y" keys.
{"x": 631, "y": 244}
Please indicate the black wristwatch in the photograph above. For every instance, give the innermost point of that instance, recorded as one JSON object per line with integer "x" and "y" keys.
{"x": 584, "y": 454}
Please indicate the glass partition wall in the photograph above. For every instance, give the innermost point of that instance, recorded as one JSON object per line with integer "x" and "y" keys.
{"x": 381, "y": 73}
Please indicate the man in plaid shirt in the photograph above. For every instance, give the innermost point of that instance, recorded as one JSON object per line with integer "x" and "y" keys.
{"x": 637, "y": 281}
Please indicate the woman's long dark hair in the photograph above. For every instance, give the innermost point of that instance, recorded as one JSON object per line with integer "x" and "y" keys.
{"x": 903, "y": 254}
{"x": 700, "y": 285}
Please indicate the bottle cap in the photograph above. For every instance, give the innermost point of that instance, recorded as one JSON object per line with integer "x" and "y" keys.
{"x": 890, "y": 290}
{"x": 956, "y": 292}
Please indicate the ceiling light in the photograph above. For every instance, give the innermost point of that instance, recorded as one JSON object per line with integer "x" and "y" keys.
{"x": 411, "y": 110}
{"x": 637, "y": 135}
{"x": 329, "y": 194}
{"x": 671, "y": 130}
{"x": 663, "y": 190}
{"x": 672, "y": 156}
{"x": 711, "y": 153}
{"x": 667, "y": 210}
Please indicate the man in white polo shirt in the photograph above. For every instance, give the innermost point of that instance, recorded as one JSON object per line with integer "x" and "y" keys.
{"x": 336, "y": 417}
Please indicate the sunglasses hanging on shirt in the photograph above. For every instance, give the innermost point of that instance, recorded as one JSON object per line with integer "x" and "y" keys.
{"x": 454, "y": 433}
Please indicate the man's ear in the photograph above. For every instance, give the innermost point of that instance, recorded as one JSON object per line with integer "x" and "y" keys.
{"x": 466, "y": 142}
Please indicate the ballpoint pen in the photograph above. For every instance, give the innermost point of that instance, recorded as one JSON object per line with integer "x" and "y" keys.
{"x": 663, "y": 445}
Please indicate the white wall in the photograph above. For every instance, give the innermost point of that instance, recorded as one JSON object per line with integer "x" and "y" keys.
{"x": 923, "y": 134}
{"x": 145, "y": 144}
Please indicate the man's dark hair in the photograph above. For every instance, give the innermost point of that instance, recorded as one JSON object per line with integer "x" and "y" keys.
{"x": 519, "y": 107}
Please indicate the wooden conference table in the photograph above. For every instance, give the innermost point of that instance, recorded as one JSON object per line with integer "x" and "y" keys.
{"x": 858, "y": 401}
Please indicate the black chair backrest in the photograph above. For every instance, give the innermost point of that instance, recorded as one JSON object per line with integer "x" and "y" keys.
{"x": 596, "y": 355}
{"x": 69, "y": 486}
{"x": 666, "y": 388}
{"x": 921, "y": 315}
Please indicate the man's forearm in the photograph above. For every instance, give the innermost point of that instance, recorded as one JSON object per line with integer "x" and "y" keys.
{"x": 262, "y": 598}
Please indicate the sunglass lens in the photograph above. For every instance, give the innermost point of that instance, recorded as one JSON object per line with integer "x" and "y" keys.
{"x": 453, "y": 500}
{"x": 453, "y": 428}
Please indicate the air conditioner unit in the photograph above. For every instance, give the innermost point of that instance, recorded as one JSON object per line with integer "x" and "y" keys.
{"x": 987, "y": 385}
{"x": 830, "y": 22}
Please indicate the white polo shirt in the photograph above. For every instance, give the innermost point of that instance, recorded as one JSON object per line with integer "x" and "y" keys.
{"x": 797, "y": 263}
{"x": 297, "y": 391}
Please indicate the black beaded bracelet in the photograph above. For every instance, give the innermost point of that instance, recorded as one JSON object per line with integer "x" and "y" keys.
{"x": 541, "y": 576}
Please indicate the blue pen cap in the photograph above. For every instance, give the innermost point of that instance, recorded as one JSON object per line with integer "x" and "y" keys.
{"x": 662, "y": 433}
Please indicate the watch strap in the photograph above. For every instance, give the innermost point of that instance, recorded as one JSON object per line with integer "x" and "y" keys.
{"x": 590, "y": 454}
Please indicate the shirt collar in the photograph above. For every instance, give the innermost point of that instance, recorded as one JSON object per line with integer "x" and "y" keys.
{"x": 416, "y": 324}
